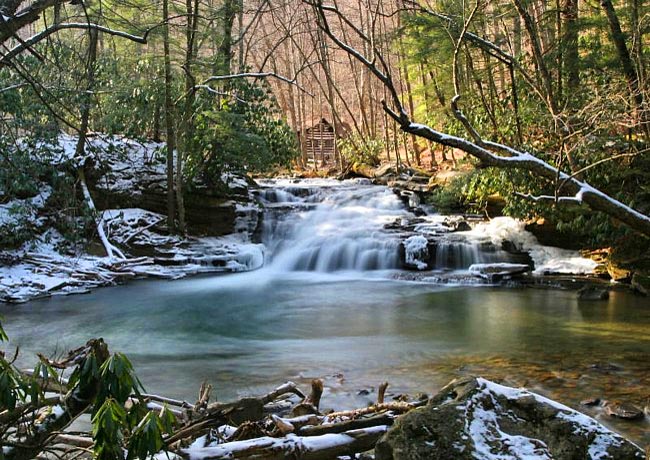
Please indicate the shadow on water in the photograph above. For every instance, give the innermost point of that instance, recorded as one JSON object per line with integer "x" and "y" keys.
{"x": 249, "y": 332}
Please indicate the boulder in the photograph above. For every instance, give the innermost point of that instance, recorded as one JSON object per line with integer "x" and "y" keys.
{"x": 474, "y": 418}
{"x": 593, "y": 293}
{"x": 386, "y": 169}
{"x": 641, "y": 284}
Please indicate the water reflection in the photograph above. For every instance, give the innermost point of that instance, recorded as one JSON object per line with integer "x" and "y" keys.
{"x": 249, "y": 332}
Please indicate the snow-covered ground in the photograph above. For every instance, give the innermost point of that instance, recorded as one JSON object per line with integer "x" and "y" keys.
{"x": 48, "y": 265}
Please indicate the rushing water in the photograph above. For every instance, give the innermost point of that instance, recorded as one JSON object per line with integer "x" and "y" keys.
{"x": 325, "y": 306}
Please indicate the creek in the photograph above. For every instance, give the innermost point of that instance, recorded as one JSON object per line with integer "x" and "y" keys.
{"x": 332, "y": 302}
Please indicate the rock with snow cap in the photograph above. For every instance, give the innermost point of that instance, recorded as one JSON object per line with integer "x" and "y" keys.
{"x": 498, "y": 271}
{"x": 474, "y": 418}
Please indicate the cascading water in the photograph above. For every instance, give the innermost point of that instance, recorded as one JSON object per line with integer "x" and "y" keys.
{"x": 331, "y": 227}
{"x": 457, "y": 255}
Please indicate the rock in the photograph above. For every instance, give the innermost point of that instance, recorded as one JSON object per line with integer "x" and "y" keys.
{"x": 628, "y": 255}
{"x": 498, "y": 271}
{"x": 459, "y": 226}
{"x": 474, "y": 418}
{"x": 590, "y": 402}
{"x": 617, "y": 272}
{"x": 606, "y": 367}
{"x": 623, "y": 410}
{"x": 387, "y": 169}
{"x": 641, "y": 284}
{"x": 548, "y": 234}
{"x": 593, "y": 293}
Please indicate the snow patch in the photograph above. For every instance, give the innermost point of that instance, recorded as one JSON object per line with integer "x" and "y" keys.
{"x": 547, "y": 259}
{"x": 416, "y": 249}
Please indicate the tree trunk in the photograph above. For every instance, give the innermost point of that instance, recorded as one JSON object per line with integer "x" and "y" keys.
{"x": 169, "y": 122}
{"x": 227, "y": 15}
{"x": 571, "y": 51}
{"x": 191, "y": 9}
{"x": 618, "y": 37}
{"x": 535, "y": 44}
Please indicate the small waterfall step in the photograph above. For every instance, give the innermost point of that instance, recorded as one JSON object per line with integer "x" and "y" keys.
{"x": 334, "y": 226}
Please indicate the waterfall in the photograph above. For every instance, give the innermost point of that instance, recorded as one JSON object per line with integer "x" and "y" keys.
{"x": 331, "y": 227}
{"x": 457, "y": 255}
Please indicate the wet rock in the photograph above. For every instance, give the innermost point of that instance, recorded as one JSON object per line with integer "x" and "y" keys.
{"x": 459, "y": 226}
{"x": 590, "y": 402}
{"x": 641, "y": 284}
{"x": 606, "y": 367}
{"x": 623, "y": 410}
{"x": 593, "y": 293}
{"x": 474, "y": 418}
{"x": 498, "y": 271}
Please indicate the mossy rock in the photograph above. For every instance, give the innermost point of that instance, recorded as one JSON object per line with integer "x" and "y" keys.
{"x": 474, "y": 418}
{"x": 641, "y": 283}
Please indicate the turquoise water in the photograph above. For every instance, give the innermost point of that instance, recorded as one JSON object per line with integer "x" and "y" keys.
{"x": 247, "y": 333}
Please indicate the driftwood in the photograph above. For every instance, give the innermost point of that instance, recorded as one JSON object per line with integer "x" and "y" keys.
{"x": 324, "y": 447}
{"x": 262, "y": 427}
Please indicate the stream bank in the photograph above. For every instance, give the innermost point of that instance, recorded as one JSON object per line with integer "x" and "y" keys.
{"x": 234, "y": 233}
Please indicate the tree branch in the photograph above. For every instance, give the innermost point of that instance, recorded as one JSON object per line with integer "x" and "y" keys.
{"x": 26, "y": 44}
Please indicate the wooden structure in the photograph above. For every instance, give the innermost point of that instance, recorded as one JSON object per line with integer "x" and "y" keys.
{"x": 319, "y": 143}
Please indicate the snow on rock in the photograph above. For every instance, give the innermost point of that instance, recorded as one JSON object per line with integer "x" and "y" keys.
{"x": 416, "y": 251}
{"x": 45, "y": 266}
{"x": 49, "y": 265}
{"x": 497, "y": 270}
{"x": 24, "y": 211}
{"x": 474, "y": 418}
{"x": 547, "y": 259}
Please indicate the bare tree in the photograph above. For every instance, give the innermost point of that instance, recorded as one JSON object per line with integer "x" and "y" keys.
{"x": 568, "y": 188}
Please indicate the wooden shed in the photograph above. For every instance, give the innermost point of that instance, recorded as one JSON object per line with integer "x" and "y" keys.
{"x": 319, "y": 143}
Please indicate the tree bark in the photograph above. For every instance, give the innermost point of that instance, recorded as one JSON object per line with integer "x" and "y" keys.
{"x": 571, "y": 50}
{"x": 618, "y": 37}
{"x": 169, "y": 122}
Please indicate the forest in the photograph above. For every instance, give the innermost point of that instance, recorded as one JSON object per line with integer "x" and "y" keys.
{"x": 478, "y": 154}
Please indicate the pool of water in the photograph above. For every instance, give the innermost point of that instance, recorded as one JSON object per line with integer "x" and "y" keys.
{"x": 247, "y": 333}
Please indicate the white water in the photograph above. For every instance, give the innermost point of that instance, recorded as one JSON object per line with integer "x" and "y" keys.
{"x": 343, "y": 231}
{"x": 331, "y": 227}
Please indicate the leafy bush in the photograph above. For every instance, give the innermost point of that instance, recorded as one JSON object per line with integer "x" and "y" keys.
{"x": 355, "y": 149}
{"x": 243, "y": 133}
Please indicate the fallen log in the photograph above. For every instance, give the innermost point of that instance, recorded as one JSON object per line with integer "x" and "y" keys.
{"x": 341, "y": 427}
{"x": 249, "y": 409}
{"x": 324, "y": 447}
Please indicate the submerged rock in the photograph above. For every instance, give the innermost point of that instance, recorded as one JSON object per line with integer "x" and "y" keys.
{"x": 593, "y": 293}
{"x": 623, "y": 410}
{"x": 474, "y": 418}
{"x": 641, "y": 284}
